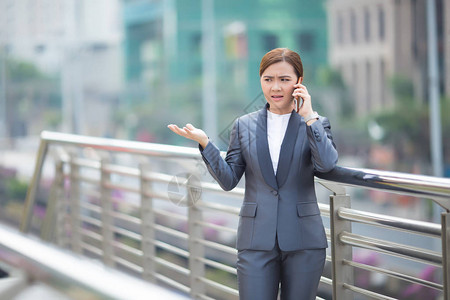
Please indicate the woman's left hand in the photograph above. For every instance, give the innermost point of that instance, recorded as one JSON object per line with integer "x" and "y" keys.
{"x": 300, "y": 91}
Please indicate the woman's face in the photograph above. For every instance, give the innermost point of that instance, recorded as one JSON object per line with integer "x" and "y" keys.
{"x": 277, "y": 83}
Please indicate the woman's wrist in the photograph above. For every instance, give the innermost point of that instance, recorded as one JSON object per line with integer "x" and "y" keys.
{"x": 310, "y": 122}
{"x": 204, "y": 142}
{"x": 311, "y": 118}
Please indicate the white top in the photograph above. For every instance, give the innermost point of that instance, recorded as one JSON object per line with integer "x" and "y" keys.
{"x": 276, "y": 128}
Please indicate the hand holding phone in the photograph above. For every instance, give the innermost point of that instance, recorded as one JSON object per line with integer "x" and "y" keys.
{"x": 298, "y": 100}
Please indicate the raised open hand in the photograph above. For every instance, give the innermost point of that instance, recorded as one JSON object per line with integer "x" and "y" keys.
{"x": 304, "y": 107}
{"x": 190, "y": 132}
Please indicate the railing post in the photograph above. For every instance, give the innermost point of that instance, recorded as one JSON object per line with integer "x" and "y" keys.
{"x": 147, "y": 228}
{"x": 341, "y": 273}
{"x": 445, "y": 222}
{"x": 106, "y": 216}
{"x": 75, "y": 218}
{"x": 48, "y": 225}
{"x": 32, "y": 189}
{"x": 196, "y": 249}
{"x": 61, "y": 212}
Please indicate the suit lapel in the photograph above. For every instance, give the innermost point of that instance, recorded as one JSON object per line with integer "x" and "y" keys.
{"x": 262, "y": 147}
{"x": 287, "y": 148}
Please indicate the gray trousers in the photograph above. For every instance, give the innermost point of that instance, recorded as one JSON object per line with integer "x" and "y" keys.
{"x": 261, "y": 272}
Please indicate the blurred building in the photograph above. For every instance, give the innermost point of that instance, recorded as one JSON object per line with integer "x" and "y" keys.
{"x": 78, "y": 41}
{"x": 371, "y": 41}
{"x": 32, "y": 30}
{"x": 446, "y": 40}
{"x": 163, "y": 39}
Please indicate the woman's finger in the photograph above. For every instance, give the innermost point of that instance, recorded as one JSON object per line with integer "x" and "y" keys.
{"x": 177, "y": 130}
{"x": 174, "y": 128}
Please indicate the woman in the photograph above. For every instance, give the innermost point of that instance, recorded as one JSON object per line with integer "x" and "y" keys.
{"x": 280, "y": 236}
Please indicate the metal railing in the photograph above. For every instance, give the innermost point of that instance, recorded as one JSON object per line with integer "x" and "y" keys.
{"x": 31, "y": 261}
{"x": 152, "y": 210}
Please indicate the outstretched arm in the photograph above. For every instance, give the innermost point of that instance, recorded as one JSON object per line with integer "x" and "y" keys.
{"x": 228, "y": 171}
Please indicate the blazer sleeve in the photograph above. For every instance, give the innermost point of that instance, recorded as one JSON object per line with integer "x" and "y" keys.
{"x": 323, "y": 149}
{"x": 227, "y": 172}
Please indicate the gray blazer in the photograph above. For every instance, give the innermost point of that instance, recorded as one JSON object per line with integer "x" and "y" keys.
{"x": 282, "y": 205}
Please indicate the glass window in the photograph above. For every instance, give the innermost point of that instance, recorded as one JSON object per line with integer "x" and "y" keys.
{"x": 306, "y": 41}
{"x": 196, "y": 43}
{"x": 368, "y": 100}
{"x": 367, "y": 25}
{"x": 270, "y": 41}
{"x": 353, "y": 26}
{"x": 39, "y": 49}
{"x": 383, "y": 82}
{"x": 381, "y": 23}
{"x": 355, "y": 81}
{"x": 340, "y": 29}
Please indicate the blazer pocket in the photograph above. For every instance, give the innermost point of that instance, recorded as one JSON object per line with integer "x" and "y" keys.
{"x": 307, "y": 209}
{"x": 248, "y": 210}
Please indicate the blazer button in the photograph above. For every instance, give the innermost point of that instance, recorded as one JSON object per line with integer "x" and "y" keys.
{"x": 275, "y": 193}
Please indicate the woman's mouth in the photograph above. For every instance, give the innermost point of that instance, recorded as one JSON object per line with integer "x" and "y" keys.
{"x": 277, "y": 97}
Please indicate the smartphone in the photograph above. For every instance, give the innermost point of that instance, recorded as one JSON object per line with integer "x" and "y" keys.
{"x": 298, "y": 102}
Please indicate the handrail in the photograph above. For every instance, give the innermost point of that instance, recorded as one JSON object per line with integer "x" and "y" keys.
{"x": 119, "y": 145}
{"x": 435, "y": 188}
{"x": 73, "y": 274}
{"x": 419, "y": 227}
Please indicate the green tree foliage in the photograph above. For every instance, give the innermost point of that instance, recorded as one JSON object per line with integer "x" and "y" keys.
{"x": 406, "y": 125}
{"x": 332, "y": 80}
{"x": 29, "y": 94}
{"x": 20, "y": 71}
{"x": 16, "y": 189}
{"x": 445, "y": 117}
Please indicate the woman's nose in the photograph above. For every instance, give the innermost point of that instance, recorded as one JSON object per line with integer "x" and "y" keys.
{"x": 275, "y": 86}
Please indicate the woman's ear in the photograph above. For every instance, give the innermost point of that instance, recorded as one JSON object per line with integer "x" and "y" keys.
{"x": 300, "y": 80}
